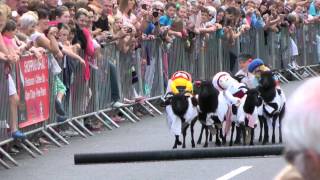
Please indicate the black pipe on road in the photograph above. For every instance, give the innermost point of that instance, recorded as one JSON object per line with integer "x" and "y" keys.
{"x": 218, "y": 152}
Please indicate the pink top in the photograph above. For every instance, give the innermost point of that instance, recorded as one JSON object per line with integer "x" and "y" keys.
{"x": 8, "y": 41}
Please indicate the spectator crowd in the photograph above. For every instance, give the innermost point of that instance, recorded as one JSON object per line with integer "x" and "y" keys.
{"x": 77, "y": 30}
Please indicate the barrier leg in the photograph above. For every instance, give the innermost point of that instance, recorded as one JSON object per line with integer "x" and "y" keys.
{"x": 110, "y": 120}
{"x": 311, "y": 70}
{"x": 83, "y": 127}
{"x": 76, "y": 129}
{"x": 103, "y": 122}
{"x": 294, "y": 74}
{"x": 127, "y": 115}
{"x": 51, "y": 138}
{"x": 153, "y": 107}
{"x": 297, "y": 72}
{"x": 282, "y": 77}
{"x": 28, "y": 150}
{"x": 148, "y": 110}
{"x": 58, "y": 135}
{"x": 8, "y": 157}
{"x": 4, "y": 164}
{"x": 307, "y": 70}
{"x": 132, "y": 114}
{"x": 33, "y": 147}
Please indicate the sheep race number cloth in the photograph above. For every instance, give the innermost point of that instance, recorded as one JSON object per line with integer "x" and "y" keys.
{"x": 33, "y": 89}
{"x": 174, "y": 122}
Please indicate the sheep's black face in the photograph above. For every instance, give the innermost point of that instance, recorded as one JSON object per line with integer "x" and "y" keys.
{"x": 179, "y": 104}
{"x": 206, "y": 87}
{"x": 267, "y": 81}
{"x": 253, "y": 96}
{"x": 208, "y": 97}
{"x": 252, "y": 100}
{"x": 239, "y": 78}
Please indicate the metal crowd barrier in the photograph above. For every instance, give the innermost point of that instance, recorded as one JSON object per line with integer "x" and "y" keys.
{"x": 4, "y": 101}
{"x": 143, "y": 73}
{"x": 275, "y": 48}
{"x": 83, "y": 99}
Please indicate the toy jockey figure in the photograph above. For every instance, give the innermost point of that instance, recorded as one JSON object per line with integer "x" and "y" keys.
{"x": 180, "y": 82}
{"x": 256, "y": 67}
{"x": 232, "y": 92}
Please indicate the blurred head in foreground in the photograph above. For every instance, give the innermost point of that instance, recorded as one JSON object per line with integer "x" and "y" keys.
{"x": 301, "y": 130}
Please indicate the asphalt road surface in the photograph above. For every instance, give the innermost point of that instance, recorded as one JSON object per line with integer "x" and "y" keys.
{"x": 149, "y": 134}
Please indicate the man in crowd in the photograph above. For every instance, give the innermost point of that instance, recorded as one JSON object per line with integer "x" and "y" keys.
{"x": 301, "y": 133}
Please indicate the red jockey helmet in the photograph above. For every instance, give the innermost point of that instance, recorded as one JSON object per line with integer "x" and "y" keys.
{"x": 181, "y": 74}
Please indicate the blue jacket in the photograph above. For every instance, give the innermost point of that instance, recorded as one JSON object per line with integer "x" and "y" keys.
{"x": 256, "y": 22}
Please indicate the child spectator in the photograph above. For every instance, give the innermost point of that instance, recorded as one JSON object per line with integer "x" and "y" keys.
{"x": 178, "y": 26}
{"x": 63, "y": 15}
{"x": 11, "y": 57}
{"x": 253, "y": 16}
{"x": 243, "y": 74}
{"x": 207, "y": 26}
{"x": 167, "y": 19}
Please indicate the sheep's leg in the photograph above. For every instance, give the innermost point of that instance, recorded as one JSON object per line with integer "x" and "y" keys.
{"x": 224, "y": 141}
{"x": 224, "y": 138}
{"x": 200, "y": 136}
{"x": 266, "y": 131}
{"x": 184, "y": 133}
{"x": 274, "y": 120}
{"x": 243, "y": 130}
{"x": 192, "y": 133}
{"x": 176, "y": 142}
{"x": 280, "y": 122}
{"x": 210, "y": 137}
{"x": 232, "y": 131}
{"x": 206, "y": 141}
{"x": 238, "y": 136}
{"x": 218, "y": 142}
{"x": 252, "y": 136}
{"x": 261, "y": 127}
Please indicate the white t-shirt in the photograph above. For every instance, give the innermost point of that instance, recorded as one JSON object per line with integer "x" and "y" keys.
{"x": 248, "y": 78}
{"x": 129, "y": 21}
{"x": 196, "y": 19}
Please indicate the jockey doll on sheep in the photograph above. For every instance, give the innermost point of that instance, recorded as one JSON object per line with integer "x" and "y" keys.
{"x": 273, "y": 97}
{"x": 180, "y": 105}
{"x": 257, "y": 67}
{"x": 231, "y": 92}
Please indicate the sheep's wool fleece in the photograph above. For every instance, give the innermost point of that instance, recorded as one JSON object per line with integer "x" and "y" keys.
{"x": 174, "y": 122}
{"x": 241, "y": 115}
{"x": 279, "y": 99}
{"x": 221, "y": 110}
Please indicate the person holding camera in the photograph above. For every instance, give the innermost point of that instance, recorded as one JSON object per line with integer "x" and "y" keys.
{"x": 151, "y": 24}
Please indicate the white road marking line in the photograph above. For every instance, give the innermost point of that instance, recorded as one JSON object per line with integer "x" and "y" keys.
{"x": 234, "y": 173}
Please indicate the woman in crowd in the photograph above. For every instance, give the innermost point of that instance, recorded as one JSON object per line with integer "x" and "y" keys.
{"x": 10, "y": 57}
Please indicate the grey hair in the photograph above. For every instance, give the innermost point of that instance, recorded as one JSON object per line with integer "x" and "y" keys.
{"x": 28, "y": 19}
{"x": 301, "y": 125}
{"x": 158, "y": 4}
